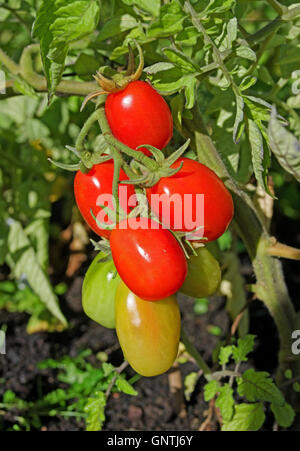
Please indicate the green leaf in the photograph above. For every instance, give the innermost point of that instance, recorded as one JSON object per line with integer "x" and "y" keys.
{"x": 246, "y": 52}
{"x": 238, "y": 118}
{"x": 158, "y": 67}
{"x": 247, "y": 417}
{"x": 244, "y": 347}
{"x": 170, "y": 20}
{"x": 58, "y": 23}
{"x": 225, "y": 354}
{"x": 190, "y": 382}
{"x": 116, "y": 26}
{"x": 225, "y": 402}
{"x": 24, "y": 263}
{"x": 285, "y": 146}
{"x": 95, "y": 410}
{"x": 284, "y": 415}
{"x": 258, "y": 386}
{"x": 211, "y": 389}
{"x": 179, "y": 59}
{"x": 150, "y": 6}
{"x": 257, "y": 151}
{"x": 123, "y": 385}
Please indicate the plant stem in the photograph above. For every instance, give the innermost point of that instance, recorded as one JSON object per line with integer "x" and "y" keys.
{"x": 194, "y": 353}
{"x": 279, "y": 8}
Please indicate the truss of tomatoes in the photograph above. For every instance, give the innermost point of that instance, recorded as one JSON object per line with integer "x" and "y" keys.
{"x": 135, "y": 291}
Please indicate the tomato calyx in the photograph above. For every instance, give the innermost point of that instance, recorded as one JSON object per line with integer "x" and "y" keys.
{"x": 119, "y": 81}
{"x": 145, "y": 176}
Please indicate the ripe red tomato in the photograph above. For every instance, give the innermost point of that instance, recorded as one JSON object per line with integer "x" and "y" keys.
{"x": 194, "y": 178}
{"x": 148, "y": 332}
{"x": 148, "y": 258}
{"x": 88, "y": 187}
{"x": 139, "y": 115}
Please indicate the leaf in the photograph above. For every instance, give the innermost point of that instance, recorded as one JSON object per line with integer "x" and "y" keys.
{"x": 258, "y": 386}
{"x": 95, "y": 410}
{"x": 285, "y": 146}
{"x": 116, "y": 26}
{"x": 170, "y": 20}
{"x": 180, "y": 60}
{"x": 190, "y": 382}
{"x": 211, "y": 389}
{"x": 238, "y": 118}
{"x": 246, "y": 52}
{"x": 225, "y": 354}
{"x": 158, "y": 67}
{"x": 151, "y": 6}
{"x": 284, "y": 415}
{"x": 257, "y": 151}
{"x": 244, "y": 347}
{"x": 123, "y": 385}
{"x": 58, "y": 23}
{"x": 24, "y": 263}
{"x": 247, "y": 417}
{"x": 225, "y": 402}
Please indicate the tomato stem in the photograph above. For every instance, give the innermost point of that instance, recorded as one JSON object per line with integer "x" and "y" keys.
{"x": 190, "y": 348}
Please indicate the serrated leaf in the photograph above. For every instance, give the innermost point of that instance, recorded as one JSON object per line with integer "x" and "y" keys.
{"x": 116, "y": 26}
{"x": 190, "y": 382}
{"x": 284, "y": 415}
{"x": 57, "y": 24}
{"x": 179, "y": 59}
{"x": 244, "y": 346}
{"x": 225, "y": 354}
{"x": 123, "y": 385}
{"x": 158, "y": 67}
{"x": 258, "y": 386}
{"x": 169, "y": 22}
{"x": 238, "y": 118}
{"x": 95, "y": 410}
{"x": 247, "y": 417}
{"x": 225, "y": 402}
{"x": 285, "y": 146}
{"x": 257, "y": 151}
{"x": 211, "y": 389}
{"x": 24, "y": 263}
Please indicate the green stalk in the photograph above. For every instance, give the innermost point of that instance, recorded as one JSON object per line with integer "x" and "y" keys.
{"x": 194, "y": 353}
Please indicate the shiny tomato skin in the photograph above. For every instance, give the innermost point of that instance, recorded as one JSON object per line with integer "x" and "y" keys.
{"x": 99, "y": 290}
{"x": 149, "y": 260}
{"x": 87, "y": 188}
{"x": 204, "y": 275}
{"x": 195, "y": 178}
{"x": 139, "y": 115}
{"x": 148, "y": 332}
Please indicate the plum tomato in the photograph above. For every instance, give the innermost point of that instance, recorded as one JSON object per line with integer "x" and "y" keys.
{"x": 139, "y": 115}
{"x": 181, "y": 209}
{"x": 148, "y": 258}
{"x": 99, "y": 290}
{"x": 148, "y": 332}
{"x": 204, "y": 275}
{"x": 98, "y": 181}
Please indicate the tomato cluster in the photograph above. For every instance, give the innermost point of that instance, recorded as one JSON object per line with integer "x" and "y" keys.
{"x": 135, "y": 291}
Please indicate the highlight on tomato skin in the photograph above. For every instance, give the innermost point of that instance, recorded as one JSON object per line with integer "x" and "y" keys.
{"x": 139, "y": 115}
{"x": 192, "y": 180}
{"x": 148, "y": 258}
{"x": 88, "y": 187}
{"x": 148, "y": 332}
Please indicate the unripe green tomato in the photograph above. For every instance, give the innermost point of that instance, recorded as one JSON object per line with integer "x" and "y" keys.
{"x": 148, "y": 332}
{"x": 204, "y": 275}
{"x": 99, "y": 290}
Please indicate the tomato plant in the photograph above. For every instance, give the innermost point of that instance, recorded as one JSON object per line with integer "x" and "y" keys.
{"x": 193, "y": 179}
{"x": 139, "y": 115}
{"x": 204, "y": 275}
{"x": 150, "y": 271}
{"x": 88, "y": 187}
{"x": 99, "y": 289}
{"x": 148, "y": 331}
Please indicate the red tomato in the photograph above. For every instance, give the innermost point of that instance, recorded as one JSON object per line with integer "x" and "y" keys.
{"x": 148, "y": 258}
{"x": 98, "y": 181}
{"x": 139, "y": 115}
{"x": 194, "y": 178}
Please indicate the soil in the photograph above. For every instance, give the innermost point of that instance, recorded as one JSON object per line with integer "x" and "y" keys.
{"x": 153, "y": 408}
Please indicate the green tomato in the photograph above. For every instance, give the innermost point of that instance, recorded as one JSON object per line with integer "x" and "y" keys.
{"x": 204, "y": 275}
{"x": 99, "y": 290}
